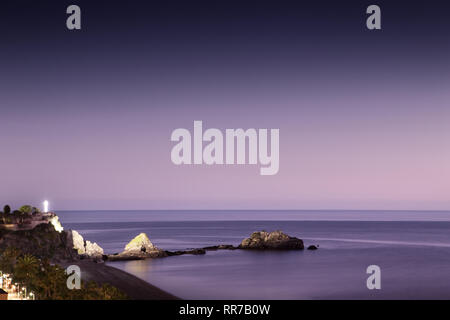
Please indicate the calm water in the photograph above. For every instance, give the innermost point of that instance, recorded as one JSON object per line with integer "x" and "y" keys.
{"x": 411, "y": 248}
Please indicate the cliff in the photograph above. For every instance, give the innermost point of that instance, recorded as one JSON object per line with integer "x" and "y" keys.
{"x": 43, "y": 242}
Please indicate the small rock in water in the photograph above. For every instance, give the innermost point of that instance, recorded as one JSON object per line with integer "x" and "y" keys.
{"x": 190, "y": 251}
{"x": 313, "y": 247}
{"x": 221, "y": 247}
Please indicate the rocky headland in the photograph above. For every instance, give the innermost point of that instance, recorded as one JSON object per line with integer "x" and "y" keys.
{"x": 40, "y": 240}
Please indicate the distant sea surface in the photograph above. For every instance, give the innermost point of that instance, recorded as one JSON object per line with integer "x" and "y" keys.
{"x": 412, "y": 248}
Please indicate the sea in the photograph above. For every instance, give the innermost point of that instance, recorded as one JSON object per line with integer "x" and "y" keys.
{"x": 410, "y": 248}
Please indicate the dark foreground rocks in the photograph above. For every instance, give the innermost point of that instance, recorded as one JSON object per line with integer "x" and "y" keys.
{"x": 276, "y": 240}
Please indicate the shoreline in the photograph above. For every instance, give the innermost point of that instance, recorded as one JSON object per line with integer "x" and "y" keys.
{"x": 134, "y": 287}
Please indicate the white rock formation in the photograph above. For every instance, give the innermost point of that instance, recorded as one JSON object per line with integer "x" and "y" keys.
{"x": 141, "y": 243}
{"x": 93, "y": 250}
{"x": 137, "y": 249}
{"x": 87, "y": 248}
{"x": 56, "y": 224}
{"x": 78, "y": 242}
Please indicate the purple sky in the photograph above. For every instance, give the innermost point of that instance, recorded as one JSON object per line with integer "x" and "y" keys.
{"x": 361, "y": 127}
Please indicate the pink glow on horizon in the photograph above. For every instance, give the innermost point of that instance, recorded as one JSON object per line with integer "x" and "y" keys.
{"x": 340, "y": 152}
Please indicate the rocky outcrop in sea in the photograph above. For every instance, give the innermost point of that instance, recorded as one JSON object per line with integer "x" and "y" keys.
{"x": 141, "y": 247}
{"x": 137, "y": 249}
{"x": 276, "y": 240}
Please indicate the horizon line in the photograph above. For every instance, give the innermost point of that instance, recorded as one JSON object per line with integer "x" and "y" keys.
{"x": 395, "y": 210}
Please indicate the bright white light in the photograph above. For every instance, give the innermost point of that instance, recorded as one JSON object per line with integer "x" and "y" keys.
{"x": 45, "y": 203}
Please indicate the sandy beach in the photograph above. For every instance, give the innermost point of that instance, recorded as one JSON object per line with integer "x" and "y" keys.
{"x": 134, "y": 287}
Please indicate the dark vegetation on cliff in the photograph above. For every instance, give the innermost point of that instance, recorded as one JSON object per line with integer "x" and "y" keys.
{"x": 20, "y": 216}
{"x": 43, "y": 241}
{"x": 31, "y": 257}
{"x": 48, "y": 281}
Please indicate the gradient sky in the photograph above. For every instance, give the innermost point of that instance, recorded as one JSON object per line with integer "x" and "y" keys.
{"x": 364, "y": 116}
